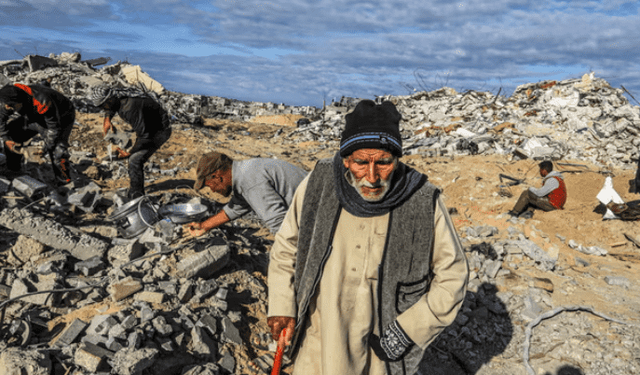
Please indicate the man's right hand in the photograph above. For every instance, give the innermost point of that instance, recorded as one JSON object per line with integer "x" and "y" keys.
{"x": 11, "y": 145}
{"x": 196, "y": 229}
{"x": 278, "y": 323}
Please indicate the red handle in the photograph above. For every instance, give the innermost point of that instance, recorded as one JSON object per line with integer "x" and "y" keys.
{"x": 277, "y": 361}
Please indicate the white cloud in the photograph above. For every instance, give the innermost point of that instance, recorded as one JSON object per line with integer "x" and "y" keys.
{"x": 300, "y": 51}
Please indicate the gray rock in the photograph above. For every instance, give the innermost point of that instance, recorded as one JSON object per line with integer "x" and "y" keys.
{"x": 129, "y": 361}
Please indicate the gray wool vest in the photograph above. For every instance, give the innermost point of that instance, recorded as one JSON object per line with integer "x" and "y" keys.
{"x": 405, "y": 272}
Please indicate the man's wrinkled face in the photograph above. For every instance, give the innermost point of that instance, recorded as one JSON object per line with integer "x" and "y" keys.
{"x": 370, "y": 171}
{"x": 219, "y": 182}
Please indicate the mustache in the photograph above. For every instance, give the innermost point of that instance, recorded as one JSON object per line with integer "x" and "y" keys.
{"x": 377, "y": 184}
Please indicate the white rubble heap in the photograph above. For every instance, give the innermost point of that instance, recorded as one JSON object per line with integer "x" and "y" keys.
{"x": 579, "y": 119}
{"x": 73, "y": 77}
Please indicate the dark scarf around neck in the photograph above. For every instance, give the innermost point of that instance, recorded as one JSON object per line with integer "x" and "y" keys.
{"x": 404, "y": 183}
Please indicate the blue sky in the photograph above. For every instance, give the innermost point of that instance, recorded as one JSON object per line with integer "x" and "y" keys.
{"x": 303, "y": 52}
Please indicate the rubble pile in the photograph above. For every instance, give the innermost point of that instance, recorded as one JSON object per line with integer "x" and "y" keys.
{"x": 580, "y": 119}
{"x": 83, "y": 297}
{"x": 72, "y": 76}
{"x": 583, "y": 119}
{"x": 80, "y": 295}
{"x": 492, "y": 317}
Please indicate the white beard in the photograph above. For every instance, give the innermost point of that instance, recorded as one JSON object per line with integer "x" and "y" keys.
{"x": 357, "y": 184}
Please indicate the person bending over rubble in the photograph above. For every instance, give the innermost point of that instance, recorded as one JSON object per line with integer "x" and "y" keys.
{"x": 551, "y": 196}
{"x": 264, "y": 186}
{"x": 42, "y": 110}
{"x": 367, "y": 268}
{"x": 147, "y": 118}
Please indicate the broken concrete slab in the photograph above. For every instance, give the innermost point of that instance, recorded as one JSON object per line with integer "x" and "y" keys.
{"x": 161, "y": 326}
{"x": 90, "y": 266}
{"x": 5, "y": 184}
{"x": 209, "y": 323}
{"x": 124, "y": 288}
{"x": 4, "y": 80}
{"x": 97, "y": 61}
{"x": 70, "y": 333}
{"x": 92, "y": 357}
{"x": 51, "y": 233}
{"x": 24, "y": 249}
{"x": 151, "y": 297}
{"x": 230, "y": 333}
{"x": 40, "y": 62}
{"x": 121, "y": 254}
{"x": 205, "y": 263}
{"x": 202, "y": 346}
{"x": 29, "y": 187}
{"x": 23, "y": 287}
{"x": 536, "y": 253}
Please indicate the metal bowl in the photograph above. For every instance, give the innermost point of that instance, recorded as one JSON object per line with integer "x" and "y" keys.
{"x": 183, "y": 213}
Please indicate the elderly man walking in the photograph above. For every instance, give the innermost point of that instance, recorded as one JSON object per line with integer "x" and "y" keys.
{"x": 367, "y": 268}
{"x": 147, "y": 118}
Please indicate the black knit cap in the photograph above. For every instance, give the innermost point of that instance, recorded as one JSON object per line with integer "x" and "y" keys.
{"x": 372, "y": 125}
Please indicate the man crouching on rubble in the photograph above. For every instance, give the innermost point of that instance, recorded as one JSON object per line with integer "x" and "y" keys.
{"x": 367, "y": 268}
{"x": 43, "y": 111}
{"x": 147, "y": 118}
{"x": 264, "y": 186}
{"x": 551, "y": 196}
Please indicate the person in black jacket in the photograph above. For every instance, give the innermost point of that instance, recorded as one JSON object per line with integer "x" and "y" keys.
{"x": 43, "y": 111}
{"x": 147, "y": 118}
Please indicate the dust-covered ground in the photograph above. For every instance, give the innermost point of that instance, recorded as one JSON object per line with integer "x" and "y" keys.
{"x": 470, "y": 184}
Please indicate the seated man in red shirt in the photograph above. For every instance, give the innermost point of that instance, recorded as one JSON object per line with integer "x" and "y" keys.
{"x": 551, "y": 196}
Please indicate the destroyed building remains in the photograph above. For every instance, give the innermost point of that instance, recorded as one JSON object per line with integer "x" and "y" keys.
{"x": 78, "y": 297}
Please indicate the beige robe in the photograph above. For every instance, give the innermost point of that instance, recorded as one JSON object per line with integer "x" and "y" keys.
{"x": 343, "y": 312}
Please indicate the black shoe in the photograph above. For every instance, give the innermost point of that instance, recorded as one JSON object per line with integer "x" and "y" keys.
{"x": 512, "y": 213}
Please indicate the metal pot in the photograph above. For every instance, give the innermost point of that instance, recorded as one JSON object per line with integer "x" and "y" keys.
{"x": 135, "y": 217}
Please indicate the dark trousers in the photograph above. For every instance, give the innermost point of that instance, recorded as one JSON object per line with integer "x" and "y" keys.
{"x": 137, "y": 160}
{"x": 20, "y": 131}
{"x": 527, "y": 198}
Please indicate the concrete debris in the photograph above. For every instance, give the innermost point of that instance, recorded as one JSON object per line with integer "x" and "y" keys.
{"x": 51, "y": 233}
{"x": 130, "y": 361}
{"x": 205, "y": 263}
{"x": 580, "y": 119}
{"x": 124, "y": 288}
{"x": 92, "y": 357}
{"x": 74, "y": 78}
{"x": 70, "y": 333}
{"x": 29, "y": 187}
{"x": 24, "y": 249}
{"x": 181, "y": 309}
{"x": 15, "y": 361}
